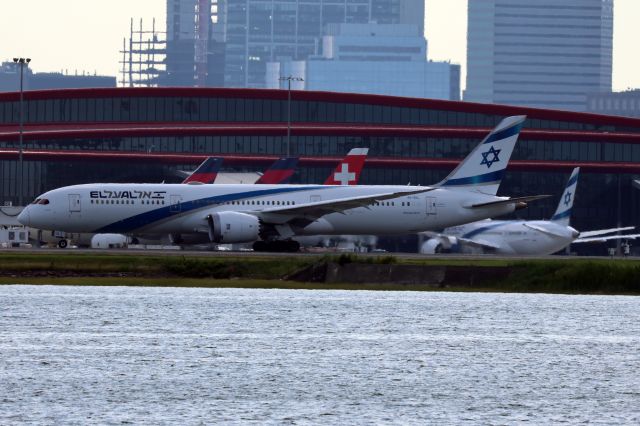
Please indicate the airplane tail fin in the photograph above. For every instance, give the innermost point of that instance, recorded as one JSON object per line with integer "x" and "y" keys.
{"x": 482, "y": 170}
{"x": 206, "y": 172}
{"x": 563, "y": 212}
{"x": 348, "y": 170}
{"x": 280, "y": 172}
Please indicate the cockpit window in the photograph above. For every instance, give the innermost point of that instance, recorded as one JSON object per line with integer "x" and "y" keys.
{"x": 36, "y": 201}
{"x": 43, "y": 201}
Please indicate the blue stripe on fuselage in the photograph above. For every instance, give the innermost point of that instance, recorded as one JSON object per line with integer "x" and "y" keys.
{"x": 477, "y": 231}
{"x": 562, "y": 215}
{"x": 493, "y": 177}
{"x": 572, "y": 181}
{"x": 504, "y": 133}
{"x": 144, "y": 219}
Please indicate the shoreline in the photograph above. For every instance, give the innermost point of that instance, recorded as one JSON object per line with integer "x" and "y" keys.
{"x": 555, "y": 275}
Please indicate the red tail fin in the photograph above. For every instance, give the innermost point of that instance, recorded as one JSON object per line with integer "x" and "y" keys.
{"x": 280, "y": 171}
{"x": 206, "y": 172}
{"x": 348, "y": 170}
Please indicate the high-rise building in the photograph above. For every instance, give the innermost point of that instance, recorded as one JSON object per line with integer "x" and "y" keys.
{"x": 542, "y": 53}
{"x": 194, "y": 53}
{"x": 259, "y": 31}
{"x": 626, "y": 104}
{"x": 383, "y": 59}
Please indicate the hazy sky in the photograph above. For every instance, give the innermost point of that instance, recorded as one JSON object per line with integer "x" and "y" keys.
{"x": 87, "y": 34}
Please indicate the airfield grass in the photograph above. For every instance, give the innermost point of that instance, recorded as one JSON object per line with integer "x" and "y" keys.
{"x": 550, "y": 275}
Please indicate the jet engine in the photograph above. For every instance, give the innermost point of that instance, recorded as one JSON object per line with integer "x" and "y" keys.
{"x": 437, "y": 245}
{"x": 233, "y": 227}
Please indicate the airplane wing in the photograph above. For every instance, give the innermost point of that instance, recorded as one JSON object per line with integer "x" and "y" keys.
{"x": 480, "y": 242}
{"x": 589, "y": 234}
{"x": 607, "y": 238}
{"x": 306, "y": 213}
{"x": 515, "y": 200}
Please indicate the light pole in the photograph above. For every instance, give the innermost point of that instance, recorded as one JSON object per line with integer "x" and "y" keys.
{"x": 22, "y": 62}
{"x": 289, "y": 79}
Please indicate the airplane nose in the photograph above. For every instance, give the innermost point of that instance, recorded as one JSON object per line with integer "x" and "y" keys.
{"x": 24, "y": 217}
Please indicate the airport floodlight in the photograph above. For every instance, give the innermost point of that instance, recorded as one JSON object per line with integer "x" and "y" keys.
{"x": 289, "y": 79}
{"x": 22, "y": 62}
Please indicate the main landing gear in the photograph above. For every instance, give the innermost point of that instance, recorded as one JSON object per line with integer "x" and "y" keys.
{"x": 287, "y": 246}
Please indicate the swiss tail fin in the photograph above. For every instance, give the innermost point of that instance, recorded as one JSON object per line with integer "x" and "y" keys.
{"x": 206, "y": 172}
{"x": 482, "y": 170}
{"x": 280, "y": 172}
{"x": 563, "y": 212}
{"x": 348, "y": 170}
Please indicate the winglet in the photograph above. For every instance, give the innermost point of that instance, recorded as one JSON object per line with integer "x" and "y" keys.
{"x": 206, "y": 172}
{"x": 348, "y": 170}
{"x": 482, "y": 170}
{"x": 565, "y": 205}
{"x": 280, "y": 172}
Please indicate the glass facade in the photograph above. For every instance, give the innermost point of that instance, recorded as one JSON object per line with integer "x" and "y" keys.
{"x": 603, "y": 200}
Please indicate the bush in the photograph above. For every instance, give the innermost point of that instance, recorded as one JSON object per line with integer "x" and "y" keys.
{"x": 201, "y": 268}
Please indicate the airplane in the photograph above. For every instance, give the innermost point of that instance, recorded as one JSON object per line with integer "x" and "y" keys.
{"x": 270, "y": 215}
{"x": 280, "y": 171}
{"x": 348, "y": 170}
{"x": 206, "y": 172}
{"x": 521, "y": 237}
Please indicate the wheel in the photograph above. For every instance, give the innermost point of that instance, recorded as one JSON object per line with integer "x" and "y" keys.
{"x": 63, "y": 244}
{"x": 260, "y": 246}
{"x": 292, "y": 246}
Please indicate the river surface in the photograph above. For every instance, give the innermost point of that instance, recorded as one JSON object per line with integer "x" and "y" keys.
{"x": 78, "y": 355}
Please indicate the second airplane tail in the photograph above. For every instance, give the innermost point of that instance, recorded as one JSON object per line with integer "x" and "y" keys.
{"x": 484, "y": 167}
{"x": 348, "y": 170}
{"x": 280, "y": 172}
{"x": 565, "y": 205}
{"x": 206, "y": 172}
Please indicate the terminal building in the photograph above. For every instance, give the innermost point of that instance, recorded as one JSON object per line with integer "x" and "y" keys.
{"x": 77, "y": 136}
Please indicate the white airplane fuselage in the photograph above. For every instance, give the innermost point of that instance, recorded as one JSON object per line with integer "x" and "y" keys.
{"x": 176, "y": 208}
{"x": 516, "y": 237}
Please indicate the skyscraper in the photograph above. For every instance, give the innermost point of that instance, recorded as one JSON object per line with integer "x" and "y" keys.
{"x": 542, "y": 53}
{"x": 259, "y": 31}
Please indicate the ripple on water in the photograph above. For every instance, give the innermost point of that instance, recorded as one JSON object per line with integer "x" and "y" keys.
{"x": 132, "y": 355}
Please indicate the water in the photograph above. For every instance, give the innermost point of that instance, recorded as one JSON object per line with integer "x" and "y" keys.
{"x": 162, "y": 356}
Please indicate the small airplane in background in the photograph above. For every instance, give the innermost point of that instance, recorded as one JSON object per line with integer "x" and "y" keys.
{"x": 206, "y": 172}
{"x": 348, "y": 170}
{"x": 281, "y": 171}
{"x": 521, "y": 237}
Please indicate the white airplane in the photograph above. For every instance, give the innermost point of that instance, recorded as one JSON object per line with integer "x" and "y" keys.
{"x": 521, "y": 237}
{"x": 270, "y": 215}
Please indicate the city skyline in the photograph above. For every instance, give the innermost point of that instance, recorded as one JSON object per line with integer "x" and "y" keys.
{"x": 92, "y": 45}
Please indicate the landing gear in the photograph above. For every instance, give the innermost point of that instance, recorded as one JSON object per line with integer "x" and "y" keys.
{"x": 63, "y": 243}
{"x": 287, "y": 246}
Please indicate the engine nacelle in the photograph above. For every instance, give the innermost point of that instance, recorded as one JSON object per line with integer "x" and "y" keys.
{"x": 233, "y": 227}
{"x": 438, "y": 245}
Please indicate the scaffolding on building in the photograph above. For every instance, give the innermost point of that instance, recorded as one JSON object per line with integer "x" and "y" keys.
{"x": 143, "y": 57}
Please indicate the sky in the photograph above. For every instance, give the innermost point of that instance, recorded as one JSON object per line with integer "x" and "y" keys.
{"x": 86, "y": 35}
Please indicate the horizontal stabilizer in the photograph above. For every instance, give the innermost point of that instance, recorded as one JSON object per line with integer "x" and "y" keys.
{"x": 588, "y": 234}
{"x": 515, "y": 200}
{"x": 607, "y": 238}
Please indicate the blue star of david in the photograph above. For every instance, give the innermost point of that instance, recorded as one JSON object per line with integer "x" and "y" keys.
{"x": 567, "y": 198}
{"x": 494, "y": 159}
